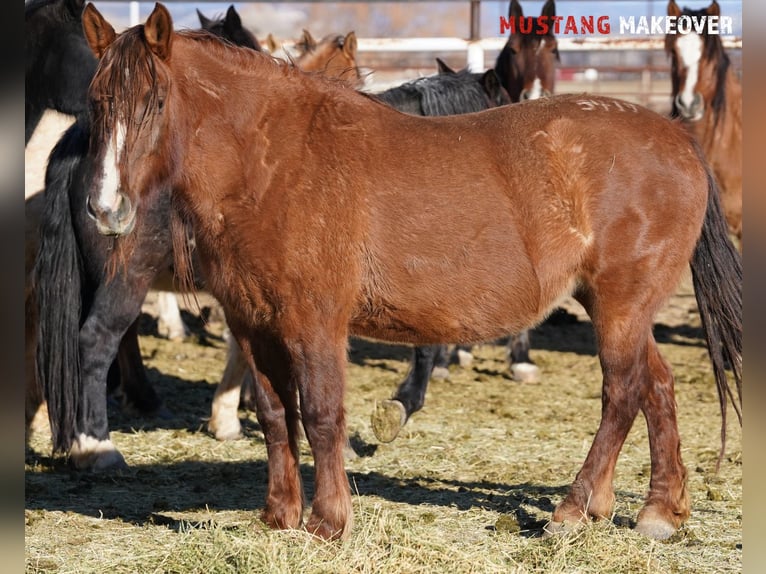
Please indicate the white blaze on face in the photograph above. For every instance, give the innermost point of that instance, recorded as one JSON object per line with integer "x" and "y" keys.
{"x": 690, "y": 53}
{"x": 535, "y": 91}
{"x": 108, "y": 198}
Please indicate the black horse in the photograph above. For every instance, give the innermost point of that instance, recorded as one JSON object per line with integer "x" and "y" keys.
{"x": 231, "y": 28}
{"x": 87, "y": 329}
{"x": 59, "y": 63}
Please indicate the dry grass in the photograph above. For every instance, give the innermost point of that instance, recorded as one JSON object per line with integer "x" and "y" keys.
{"x": 466, "y": 487}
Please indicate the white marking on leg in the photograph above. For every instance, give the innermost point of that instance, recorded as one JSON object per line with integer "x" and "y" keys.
{"x": 690, "y": 53}
{"x": 170, "y": 316}
{"x": 108, "y": 198}
{"x": 90, "y": 452}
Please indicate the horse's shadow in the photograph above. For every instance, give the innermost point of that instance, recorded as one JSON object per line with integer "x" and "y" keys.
{"x": 152, "y": 494}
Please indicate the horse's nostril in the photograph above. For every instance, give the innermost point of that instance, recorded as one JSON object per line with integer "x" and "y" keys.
{"x": 124, "y": 209}
{"x": 89, "y": 208}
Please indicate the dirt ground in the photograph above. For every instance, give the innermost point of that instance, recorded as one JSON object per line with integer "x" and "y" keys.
{"x": 486, "y": 456}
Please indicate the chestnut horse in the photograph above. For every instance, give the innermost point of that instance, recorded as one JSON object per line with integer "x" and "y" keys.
{"x": 308, "y": 231}
{"x": 77, "y": 320}
{"x": 334, "y": 56}
{"x": 707, "y": 96}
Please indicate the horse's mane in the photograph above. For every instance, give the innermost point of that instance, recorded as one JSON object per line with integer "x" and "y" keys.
{"x": 441, "y": 95}
{"x": 33, "y": 5}
{"x": 712, "y": 50}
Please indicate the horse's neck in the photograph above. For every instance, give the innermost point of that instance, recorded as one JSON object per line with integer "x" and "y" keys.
{"x": 721, "y": 133}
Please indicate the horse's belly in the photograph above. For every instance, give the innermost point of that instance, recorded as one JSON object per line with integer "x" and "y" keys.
{"x": 457, "y": 289}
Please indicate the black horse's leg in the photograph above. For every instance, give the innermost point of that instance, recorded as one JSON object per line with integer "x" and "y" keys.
{"x": 136, "y": 387}
{"x": 111, "y": 315}
{"x": 522, "y": 367}
{"x": 391, "y": 415}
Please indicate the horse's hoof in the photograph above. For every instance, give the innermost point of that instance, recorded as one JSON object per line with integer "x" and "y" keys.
{"x": 464, "y": 358}
{"x": 525, "y": 373}
{"x": 88, "y": 453}
{"x": 440, "y": 373}
{"x": 653, "y": 525}
{"x": 387, "y": 419}
{"x": 555, "y": 528}
{"x": 226, "y": 432}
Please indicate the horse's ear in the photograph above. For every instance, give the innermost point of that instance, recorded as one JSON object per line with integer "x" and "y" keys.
{"x": 549, "y": 9}
{"x": 714, "y": 9}
{"x": 271, "y": 43}
{"x": 349, "y": 45}
{"x": 307, "y": 42}
{"x": 673, "y": 9}
{"x": 98, "y": 32}
{"x": 443, "y": 68}
{"x": 158, "y": 31}
{"x": 491, "y": 82}
{"x": 204, "y": 21}
{"x": 514, "y": 10}
{"x": 233, "y": 21}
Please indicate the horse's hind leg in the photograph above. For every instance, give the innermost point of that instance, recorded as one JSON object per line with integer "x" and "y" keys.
{"x": 635, "y": 377}
{"x": 114, "y": 309}
{"x": 139, "y": 392}
{"x": 390, "y": 416}
{"x": 667, "y": 506}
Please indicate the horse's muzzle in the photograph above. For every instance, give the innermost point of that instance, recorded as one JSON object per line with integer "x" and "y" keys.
{"x": 529, "y": 95}
{"x": 692, "y": 112}
{"x": 113, "y": 222}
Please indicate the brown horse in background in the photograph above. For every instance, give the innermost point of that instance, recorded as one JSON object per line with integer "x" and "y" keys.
{"x": 334, "y": 56}
{"x": 526, "y": 65}
{"x": 707, "y": 96}
{"x": 308, "y": 231}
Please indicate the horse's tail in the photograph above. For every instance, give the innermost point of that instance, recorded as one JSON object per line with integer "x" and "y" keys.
{"x": 717, "y": 275}
{"x": 58, "y": 281}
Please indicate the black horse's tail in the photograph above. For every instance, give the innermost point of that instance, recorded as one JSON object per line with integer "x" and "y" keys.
{"x": 717, "y": 275}
{"x": 58, "y": 283}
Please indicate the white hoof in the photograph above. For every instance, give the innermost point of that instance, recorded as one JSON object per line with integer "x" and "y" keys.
{"x": 89, "y": 453}
{"x": 231, "y": 430}
{"x": 440, "y": 373}
{"x": 525, "y": 373}
{"x": 465, "y": 359}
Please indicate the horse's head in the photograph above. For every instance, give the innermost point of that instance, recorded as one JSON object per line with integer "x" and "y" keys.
{"x": 494, "y": 92}
{"x": 527, "y": 64}
{"x": 230, "y": 28}
{"x": 698, "y": 65}
{"x": 334, "y": 56}
{"x": 128, "y": 116}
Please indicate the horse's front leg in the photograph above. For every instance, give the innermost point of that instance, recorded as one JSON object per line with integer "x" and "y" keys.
{"x": 523, "y": 368}
{"x": 224, "y": 420}
{"x": 276, "y": 401}
{"x": 320, "y": 366}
